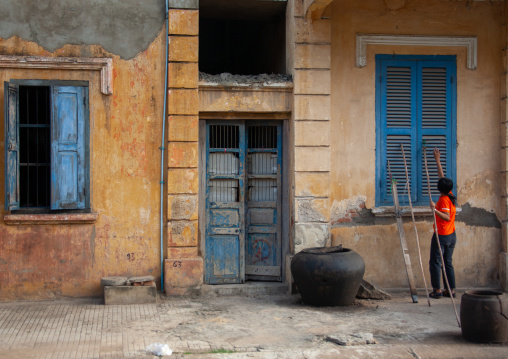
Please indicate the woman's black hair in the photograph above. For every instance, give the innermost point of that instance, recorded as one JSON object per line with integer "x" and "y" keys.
{"x": 445, "y": 185}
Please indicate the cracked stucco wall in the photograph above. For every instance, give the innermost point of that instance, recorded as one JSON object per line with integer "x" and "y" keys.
{"x": 54, "y": 260}
{"x": 121, "y": 27}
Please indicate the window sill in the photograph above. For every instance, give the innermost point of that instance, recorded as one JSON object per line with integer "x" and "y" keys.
{"x": 36, "y": 219}
{"x": 419, "y": 211}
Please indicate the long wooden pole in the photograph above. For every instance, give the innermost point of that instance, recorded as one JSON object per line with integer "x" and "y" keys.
{"x": 424, "y": 149}
{"x": 402, "y": 237}
{"x": 414, "y": 223}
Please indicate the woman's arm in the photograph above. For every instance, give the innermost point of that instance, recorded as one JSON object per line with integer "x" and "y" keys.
{"x": 437, "y": 155}
{"x": 443, "y": 215}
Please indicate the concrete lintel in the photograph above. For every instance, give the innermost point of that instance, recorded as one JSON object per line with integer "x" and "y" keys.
{"x": 469, "y": 42}
{"x": 183, "y": 4}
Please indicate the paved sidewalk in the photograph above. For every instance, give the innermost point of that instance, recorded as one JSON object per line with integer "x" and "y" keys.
{"x": 235, "y": 327}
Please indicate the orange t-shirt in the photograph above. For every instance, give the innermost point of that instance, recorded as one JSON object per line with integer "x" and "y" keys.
{"x": 444, "y": 204}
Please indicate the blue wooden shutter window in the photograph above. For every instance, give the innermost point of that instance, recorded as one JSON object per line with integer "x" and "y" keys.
{"x": 415, "y": 102}
{"x": 11, "y": 116}
{"x": 68, "y": 163}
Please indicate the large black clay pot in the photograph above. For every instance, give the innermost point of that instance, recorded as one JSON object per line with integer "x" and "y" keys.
{"x": 328, "y": 276}
{"x": 484, "y": 316}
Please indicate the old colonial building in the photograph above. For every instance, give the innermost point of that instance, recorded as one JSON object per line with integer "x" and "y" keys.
{"x": 206, "y": 142}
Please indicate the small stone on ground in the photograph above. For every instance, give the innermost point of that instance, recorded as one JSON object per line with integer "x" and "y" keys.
{"x": 352, "y": 339}
{"x": 370, "y": 291}
{"x": 146, "y": 278}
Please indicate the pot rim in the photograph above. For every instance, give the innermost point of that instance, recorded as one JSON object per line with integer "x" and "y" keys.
{"x": 326, "y": 250}
{"x": 484, "y": 293}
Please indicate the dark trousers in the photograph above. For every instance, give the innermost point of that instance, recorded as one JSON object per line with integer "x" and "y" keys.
{"x": 447, "y": 246}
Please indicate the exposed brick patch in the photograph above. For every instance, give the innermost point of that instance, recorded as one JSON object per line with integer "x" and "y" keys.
{"x": 344, "y": 211}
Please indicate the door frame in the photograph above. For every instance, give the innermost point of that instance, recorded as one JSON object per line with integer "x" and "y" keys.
{"x": 285, "y": 175}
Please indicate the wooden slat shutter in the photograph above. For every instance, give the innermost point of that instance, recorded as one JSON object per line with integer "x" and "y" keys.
{"x": 398, "y": 111}
{"x": 415, "y": 105}
{"x": 68, "y": 162}
{"x": 435, "y": 113}
{"x": 11, "y": 117}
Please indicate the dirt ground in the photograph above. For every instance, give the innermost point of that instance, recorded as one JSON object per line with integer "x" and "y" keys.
{"x": 236, "y": 327}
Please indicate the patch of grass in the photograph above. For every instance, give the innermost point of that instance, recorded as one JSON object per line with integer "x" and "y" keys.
{"x": 221, "y": 351}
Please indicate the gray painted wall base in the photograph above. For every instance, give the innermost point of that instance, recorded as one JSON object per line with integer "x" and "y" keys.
{"x": 183, "y": 4}
{"x": 126, "y": 294}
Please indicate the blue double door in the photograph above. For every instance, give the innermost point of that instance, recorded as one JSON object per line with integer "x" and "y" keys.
{"x": 243, "y": 201}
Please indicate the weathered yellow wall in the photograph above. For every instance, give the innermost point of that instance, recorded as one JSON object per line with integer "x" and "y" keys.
{"x": 42, "y": 261}
{"x": 353, "y": 131}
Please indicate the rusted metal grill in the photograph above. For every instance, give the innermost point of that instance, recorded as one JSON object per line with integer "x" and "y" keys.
{"x": 262, "y": 137}
{"x": 34, "y": 152}
{"x": 224, "y": 136}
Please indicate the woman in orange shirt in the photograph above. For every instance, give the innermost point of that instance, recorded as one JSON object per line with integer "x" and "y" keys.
{"x": 444, "y": 210}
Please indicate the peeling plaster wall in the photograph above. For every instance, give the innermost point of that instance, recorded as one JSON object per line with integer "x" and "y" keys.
{"x": 353, "y": 129}
{"x": 123, "y": 27}
{"x": 45, "y": 261}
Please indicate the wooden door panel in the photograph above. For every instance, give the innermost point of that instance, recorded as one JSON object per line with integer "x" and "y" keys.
{"x": 224, "y": 254}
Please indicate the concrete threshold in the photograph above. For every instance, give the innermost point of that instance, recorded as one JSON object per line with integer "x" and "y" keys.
{"x": 247, "y": 289}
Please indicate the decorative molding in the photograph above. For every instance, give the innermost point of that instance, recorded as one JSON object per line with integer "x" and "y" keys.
{"x": 104, "y": 65}
{"x": 469, "y": 42}
{"x": 314, "y": 8}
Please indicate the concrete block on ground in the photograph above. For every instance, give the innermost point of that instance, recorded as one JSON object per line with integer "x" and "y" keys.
{"x": 122, "y": 295}
{"x": 113, "y": 281}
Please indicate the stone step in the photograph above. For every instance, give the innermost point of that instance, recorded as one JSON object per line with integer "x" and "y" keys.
{"x": 247, "y": 289}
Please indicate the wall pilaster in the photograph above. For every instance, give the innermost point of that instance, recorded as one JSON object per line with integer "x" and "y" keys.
{"x": 503, "y": 255}
{"x": 183, "y": 267}
{"x": 311, "y": 130}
